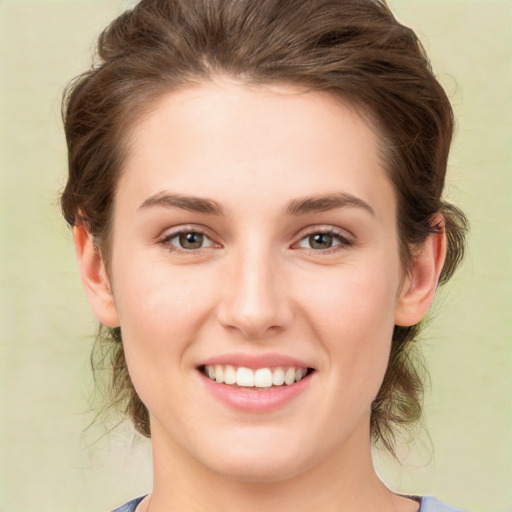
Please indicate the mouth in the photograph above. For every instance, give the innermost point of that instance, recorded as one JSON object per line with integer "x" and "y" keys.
{"x": 259, "y": 379}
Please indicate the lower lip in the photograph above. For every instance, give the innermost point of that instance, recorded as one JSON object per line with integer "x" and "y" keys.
{"x": 252, "y": 400}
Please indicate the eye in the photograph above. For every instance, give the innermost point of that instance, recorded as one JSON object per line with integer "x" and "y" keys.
{"x": 323, "y": 241}
{"x": 187, "y": 241}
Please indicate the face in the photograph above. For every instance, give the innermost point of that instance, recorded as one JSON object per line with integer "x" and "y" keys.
{"x": 255, "y": 241}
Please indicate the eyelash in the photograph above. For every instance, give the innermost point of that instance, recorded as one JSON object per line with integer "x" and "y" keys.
{"x": 343, "y": 242}
{"x": 167, "y": 241}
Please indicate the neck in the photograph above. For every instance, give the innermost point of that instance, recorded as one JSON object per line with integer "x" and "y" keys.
{"x": 345, "y": 481}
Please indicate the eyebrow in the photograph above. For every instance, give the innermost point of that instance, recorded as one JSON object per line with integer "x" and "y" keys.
{"x": 190, "y": 203}
{"x": 324, "y": 203}
{"x": 301, "y": 206}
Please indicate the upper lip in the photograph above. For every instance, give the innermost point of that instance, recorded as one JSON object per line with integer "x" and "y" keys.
{"x": 255, "y": 361}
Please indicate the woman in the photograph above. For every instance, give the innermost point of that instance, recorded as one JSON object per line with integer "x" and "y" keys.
{"x": 255, "y": 194}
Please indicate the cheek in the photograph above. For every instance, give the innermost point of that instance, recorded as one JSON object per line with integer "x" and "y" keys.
{"x": 153, "y": 297}
{"x": 160, "y": 312}
{"x": 354, "y": 299}
{"x": 354, "y": 318}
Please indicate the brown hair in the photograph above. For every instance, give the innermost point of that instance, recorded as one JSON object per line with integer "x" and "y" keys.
{"x": 354, "y": 49}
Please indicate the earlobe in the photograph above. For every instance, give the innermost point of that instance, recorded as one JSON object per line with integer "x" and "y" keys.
{"x": 420, "y": 285}
{"x": 94, "y": 277}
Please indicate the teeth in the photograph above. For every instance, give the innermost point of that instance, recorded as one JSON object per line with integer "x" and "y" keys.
{"x": 300, "y": 373}
{"x": 229, "y": 374}
{"x": 219, "y": 373}
{"x": 278, "y": 377}
{"x": 289, "y": 376}
{"x": 263, "y": 378}
{"x": 260, "y": 378}
{"x": 245, "y": 377}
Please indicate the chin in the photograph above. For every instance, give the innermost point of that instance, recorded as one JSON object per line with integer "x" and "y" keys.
{"x": 259, "y": 472}
{"x": 260, "y": 461}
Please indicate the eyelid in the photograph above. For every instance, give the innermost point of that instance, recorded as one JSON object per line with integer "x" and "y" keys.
{"x": 344, "y": 241}
{"x": 168, "y": 235}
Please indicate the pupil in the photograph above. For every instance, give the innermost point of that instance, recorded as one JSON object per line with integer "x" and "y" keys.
{"x": 191, "y": 240}
{"x": 320, "y": 241}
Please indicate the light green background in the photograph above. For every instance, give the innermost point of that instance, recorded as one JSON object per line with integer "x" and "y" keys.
{"x": 49, "y": 462}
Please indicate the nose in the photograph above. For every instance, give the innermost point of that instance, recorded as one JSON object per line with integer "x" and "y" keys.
{"x": 255, "y": 300}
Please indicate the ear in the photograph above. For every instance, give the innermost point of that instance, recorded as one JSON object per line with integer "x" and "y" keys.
{"x": 94, "y": 277}
{"x": 420, "y": 284}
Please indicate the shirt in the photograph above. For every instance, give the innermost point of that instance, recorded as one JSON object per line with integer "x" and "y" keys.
{"x": 427, "y": 504}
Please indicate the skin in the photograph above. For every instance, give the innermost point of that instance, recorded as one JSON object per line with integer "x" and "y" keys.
{"x": 258, "y": 286}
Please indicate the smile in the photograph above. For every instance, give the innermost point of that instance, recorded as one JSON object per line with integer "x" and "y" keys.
{"x": 261, "y": 378}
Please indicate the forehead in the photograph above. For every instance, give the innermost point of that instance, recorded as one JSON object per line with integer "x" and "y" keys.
{"x": 271, "y": 140}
